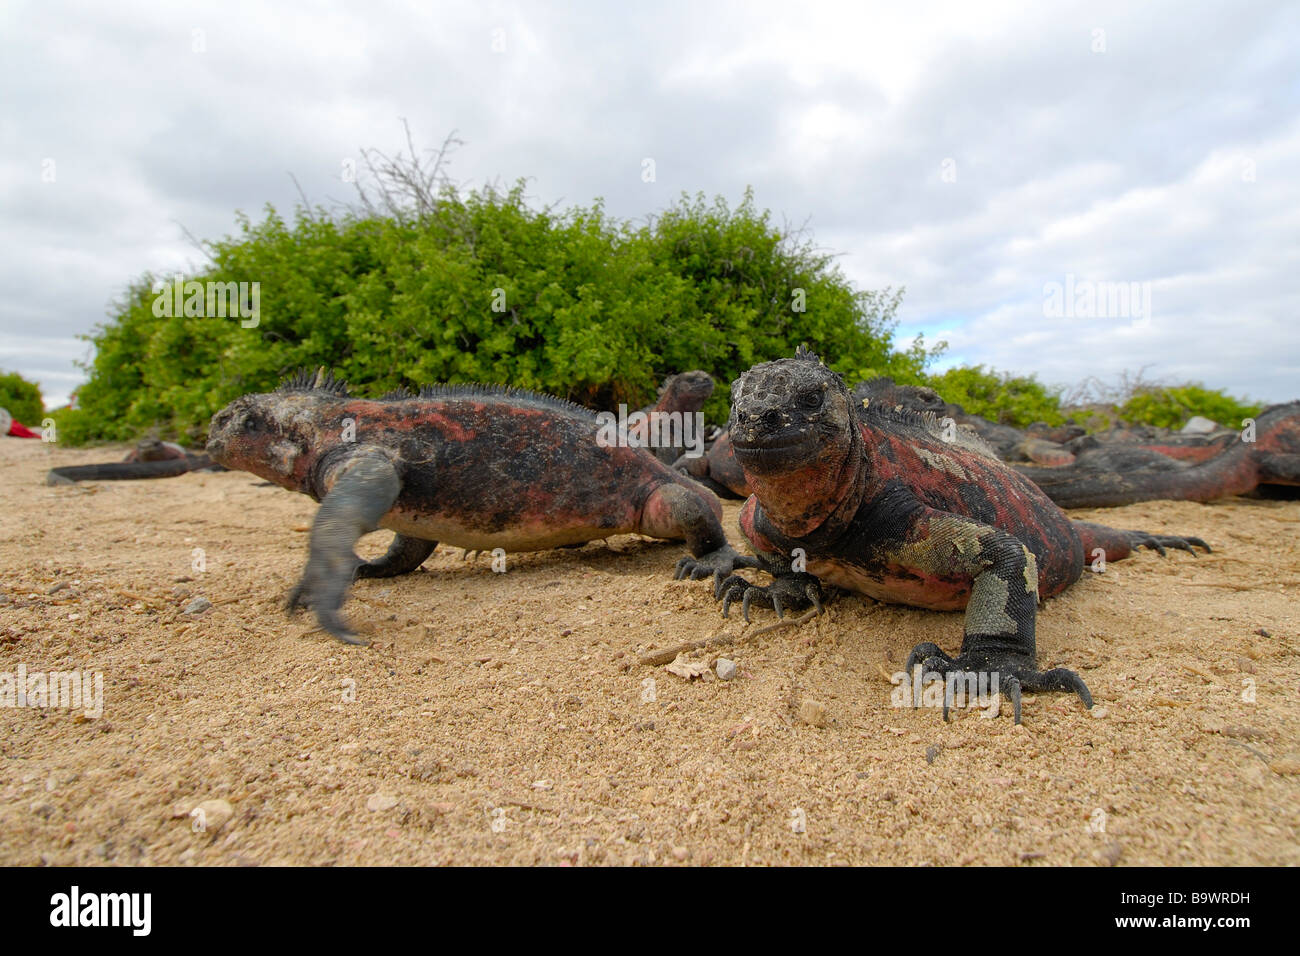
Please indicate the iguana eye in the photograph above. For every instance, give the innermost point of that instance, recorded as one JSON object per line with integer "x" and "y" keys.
{"x": 252, "y": 425}
{"x": 812, "y": 400}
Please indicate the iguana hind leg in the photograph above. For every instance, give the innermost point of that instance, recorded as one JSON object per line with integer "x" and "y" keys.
{"x": 1116, "y": 544}
{"x": 363, "y": 491}
{"x": 404, "y": 555}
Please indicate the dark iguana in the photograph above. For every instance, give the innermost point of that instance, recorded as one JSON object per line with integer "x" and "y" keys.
{"x": 475, "y": 466}
{"x": 881, "y": 505}
{"x": 1122, "y": 474}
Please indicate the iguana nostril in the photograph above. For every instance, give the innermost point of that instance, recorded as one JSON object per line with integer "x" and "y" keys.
{"x": 771, "y": 419}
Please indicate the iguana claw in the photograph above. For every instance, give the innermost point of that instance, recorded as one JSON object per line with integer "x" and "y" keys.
{"x": 1158, "y": 542}
{"x": 1013, "y": 674}
{"x": 793, "y": 591}
{"x": 717, "y": 563}
{"x": 328, "y": 618}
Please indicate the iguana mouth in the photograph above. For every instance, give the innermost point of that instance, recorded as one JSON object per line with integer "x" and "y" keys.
{"x": 779, "y": 447}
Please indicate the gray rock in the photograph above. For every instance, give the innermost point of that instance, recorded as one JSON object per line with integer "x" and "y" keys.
{"x": 1199, "y": 425}
{"x": 197, "y": 606}
{"x": 726, "y": 668}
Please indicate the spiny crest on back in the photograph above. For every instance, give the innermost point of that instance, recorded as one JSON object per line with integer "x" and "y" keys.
{"x": 321, "y": 380}
{"x": 804, "y": 353}
{"x": 945, "y": 430}
{"x": 509, "y": 393}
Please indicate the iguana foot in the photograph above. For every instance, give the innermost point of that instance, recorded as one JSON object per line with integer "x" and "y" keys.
{"x": 717, "y": 563}
{"x": 1158, "y": 542}
{"x": 308, "y": 593}
{"x": 403, "y": 556}
{"x": 1008, "y": 674}
{"x": 792, "y": 591}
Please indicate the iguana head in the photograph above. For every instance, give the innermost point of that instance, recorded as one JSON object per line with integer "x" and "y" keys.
{"x": 794, "y": 433}
{"x": 687, "y": 391}
{"x": 277, "y": 435}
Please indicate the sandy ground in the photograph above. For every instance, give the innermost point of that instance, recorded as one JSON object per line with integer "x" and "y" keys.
{"x": 505, "y": 718}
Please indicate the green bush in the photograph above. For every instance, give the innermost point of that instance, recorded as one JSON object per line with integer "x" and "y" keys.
{"x": 1015, "y": 400}
{"x": 1172, "y": 406}
{"x": 482, "y": 287}
{"x": 22, "y": 398}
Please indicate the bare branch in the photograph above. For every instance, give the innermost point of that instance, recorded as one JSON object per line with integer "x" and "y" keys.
{"x": 303, "y": 196}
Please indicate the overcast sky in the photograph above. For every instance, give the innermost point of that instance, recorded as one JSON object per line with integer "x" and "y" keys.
{"x": 976, "y": 153}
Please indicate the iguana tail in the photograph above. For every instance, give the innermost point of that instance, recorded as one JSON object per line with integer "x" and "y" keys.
{"x": 125, "y": 471}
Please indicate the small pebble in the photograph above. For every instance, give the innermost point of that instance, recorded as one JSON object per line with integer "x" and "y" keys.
{"x": 215, "y": 814}
{"x": 813, "y": 712}
{"x": 726, "y": 668}
{"x": 381, "y": 801}
{"x": 197, "y": 606}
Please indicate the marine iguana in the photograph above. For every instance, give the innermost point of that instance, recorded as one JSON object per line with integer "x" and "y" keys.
{"x": 1112, "y": 475}
{"x": 1189, "y": 448}
{"x": 880, "y": 504}
{"x": 475, "y": 466}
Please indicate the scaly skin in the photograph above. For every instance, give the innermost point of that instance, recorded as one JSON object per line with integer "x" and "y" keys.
{"x": 477, "y": 467}
{"x": 879, "y": 504}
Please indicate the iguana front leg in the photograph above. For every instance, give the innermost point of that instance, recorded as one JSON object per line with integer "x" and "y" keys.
{"x": 363, "y": 489}
{"x": 998, "y": 637}
{"x": 681, "y": 511}
{"x": 789, "y": 590}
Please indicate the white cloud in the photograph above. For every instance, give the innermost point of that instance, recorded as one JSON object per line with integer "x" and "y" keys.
{"x": 1128, "y": 165}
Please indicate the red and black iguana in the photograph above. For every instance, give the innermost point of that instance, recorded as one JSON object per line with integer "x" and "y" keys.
{"x": 1266, "y": 454}
{"x": 474, "y": 466}
{"x": 880, "y": 504}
